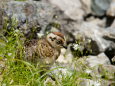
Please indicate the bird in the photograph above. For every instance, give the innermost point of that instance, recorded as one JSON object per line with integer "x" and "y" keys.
{"x": 46, "y": 50}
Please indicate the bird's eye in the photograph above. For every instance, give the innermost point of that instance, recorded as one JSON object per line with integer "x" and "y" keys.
{"x": 52, "y": 38}
{"x": 59, "y": 42}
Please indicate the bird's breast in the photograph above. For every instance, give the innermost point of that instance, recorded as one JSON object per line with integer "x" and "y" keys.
{"x": 47, "y": 53}
{"x": 44, "y": 49}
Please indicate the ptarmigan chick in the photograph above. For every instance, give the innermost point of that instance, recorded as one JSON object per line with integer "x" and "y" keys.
{"x": 46, "y": 50}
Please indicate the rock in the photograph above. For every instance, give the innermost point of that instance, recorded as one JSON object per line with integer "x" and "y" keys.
{"x": 95, "y": 33}
{"x": 89, "y": 82}
{"x": 113, "y": 60}
{"x": 50, "y": 82}
{"x": 71, "y": 8}
{"x": 86, "y": 5}
{"x": 90, "y": 29}
{"x": 113, "y": 24}
{"x": 110, "y": 51}
{"x": 65, "y": 56}
{"x": 99, "y": 22}
{"x": 107, "y": 72}
{"x": 61, "y": 58}
{"x": 99, "y": 7}
{"x": 3, "y": 3}
{"x": 93, "y": 61}
{"x": 60, "y": 70}
{"x": 111, "y": 10}
{"x": 2, "y": 18}
{"x": 109, "y": 34}
{"x": 30, "y": 11}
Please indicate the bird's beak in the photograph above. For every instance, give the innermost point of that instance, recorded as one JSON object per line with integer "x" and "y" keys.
{"x": 64, "y": 46}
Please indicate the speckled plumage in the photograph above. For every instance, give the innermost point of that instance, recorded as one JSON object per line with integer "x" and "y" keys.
{"x": 44, "y": 50}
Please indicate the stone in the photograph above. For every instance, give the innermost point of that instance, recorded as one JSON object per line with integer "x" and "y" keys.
{"x": 50, "y": 82}
{"x": 93, "y": 32}
{"x": 65, "y": 56}
{"x": 89, "y": 82}
{"x": 30, "y": 11}
{"x": 99, "y": 7}
{"x": 111, "y": 9}
{"x": 113, "y": 60}
{"x": 86, "y": 5}
{"x": 99, "y": 22}
{"x": 109, "y": 33}
{"x": 107, "y": 72}
{"x": 60, "y": 70}
{"x": 1, "y": 18}
{"x": 101, "y": 59}
{"x": 3, "y": 3}
{"x": 71, "y": 8}
{"x": 113, "y": 24}
{"x": 110, "y": 51}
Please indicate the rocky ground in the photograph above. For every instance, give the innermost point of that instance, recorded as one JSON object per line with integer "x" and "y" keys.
{"x": 88, "y": 25}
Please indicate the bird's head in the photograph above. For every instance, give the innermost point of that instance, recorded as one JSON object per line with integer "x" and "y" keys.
{"x": 56, "y": 39}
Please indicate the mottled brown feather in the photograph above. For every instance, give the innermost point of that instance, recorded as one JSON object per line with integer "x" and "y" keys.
{"x": 45, "y": 49}
{"x": 41, "y": 51}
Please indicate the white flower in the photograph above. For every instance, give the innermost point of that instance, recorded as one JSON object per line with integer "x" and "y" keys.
{"x": 40, "y": 35}
{"x": 9, "y": 54}
{"x": 75, "y": 46}
{"x": 88, "y": 71}
{"x": 17, "y": 30}
{"x": 96, "y": 83}
{"x": 1, "y": 65}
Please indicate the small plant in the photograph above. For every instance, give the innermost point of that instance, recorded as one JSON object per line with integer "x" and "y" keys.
{"x": 82, "y": 47}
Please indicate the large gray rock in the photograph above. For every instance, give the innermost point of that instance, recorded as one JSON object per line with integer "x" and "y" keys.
{"x": 1, "y": 18}
{"x": 65, "y": 57}
{"x": 93, "y": 31}
{"x": 100, "y": 7}
{"x": 30, "y": 11}
{"x": 3, "y": 3}
{"x": 113, "y": 60}
{"x": 101, "y": 59}
{"x": 99, "y": 82}
{"x": 71, "y": 8}
{"x": 113, "y": 24}
{"x": 99, "y": 22}
{"x": 110, "y": 32}
{"x": 86, "y": 5}
{"x": 107, "y": 72}
{"x": 111, "y": 10}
